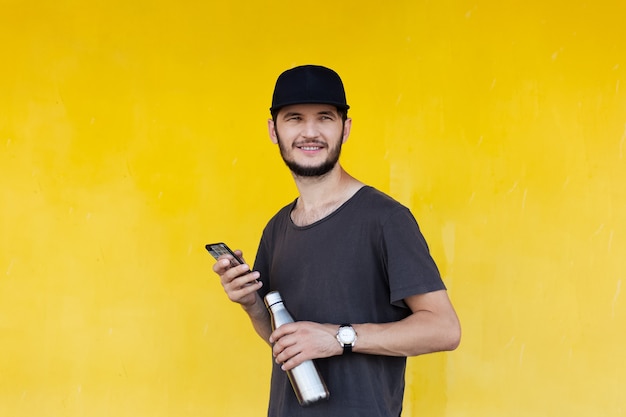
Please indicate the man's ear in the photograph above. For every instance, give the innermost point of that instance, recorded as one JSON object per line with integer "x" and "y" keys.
{"x": 271, "y": 129}
{"x": 347, "y": 125}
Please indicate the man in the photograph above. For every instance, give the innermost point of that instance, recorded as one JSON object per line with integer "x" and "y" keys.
{"x": 342, "y": 255}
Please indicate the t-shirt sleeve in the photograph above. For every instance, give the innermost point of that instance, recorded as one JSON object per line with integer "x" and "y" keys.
{"x": 261, "y": 264}
{"x": 411, "y": 269}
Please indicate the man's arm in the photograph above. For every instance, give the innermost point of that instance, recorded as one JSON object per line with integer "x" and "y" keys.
{"x": 241, "y": 287}
{"x": 433, "y": 326}
{"x": 260, "y": 318}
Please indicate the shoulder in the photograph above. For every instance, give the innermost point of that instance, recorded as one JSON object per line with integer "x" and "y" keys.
{"x": 371, "y": 195}
{"x": 376, "y": 202}
{"x": 279, "y": 221}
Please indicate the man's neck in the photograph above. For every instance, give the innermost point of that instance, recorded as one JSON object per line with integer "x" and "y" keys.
{"x": 320, "y": 196}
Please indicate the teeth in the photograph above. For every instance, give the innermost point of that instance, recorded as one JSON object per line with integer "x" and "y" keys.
{"x": 310, "y": 148}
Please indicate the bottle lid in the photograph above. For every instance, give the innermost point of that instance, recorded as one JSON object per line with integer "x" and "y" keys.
{"x": 272, "y": 298}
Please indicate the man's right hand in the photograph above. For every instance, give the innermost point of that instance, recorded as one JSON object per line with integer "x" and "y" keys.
{"x": 239, "y": 283}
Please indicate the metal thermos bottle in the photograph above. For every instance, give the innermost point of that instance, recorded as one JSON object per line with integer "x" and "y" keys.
{"x": 305, "y": 378}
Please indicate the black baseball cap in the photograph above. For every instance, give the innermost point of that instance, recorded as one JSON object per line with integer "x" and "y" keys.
{"x": 309, "y": 84}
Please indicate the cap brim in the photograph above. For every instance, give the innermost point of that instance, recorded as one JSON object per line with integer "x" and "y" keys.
{"x": 279, "y": 106}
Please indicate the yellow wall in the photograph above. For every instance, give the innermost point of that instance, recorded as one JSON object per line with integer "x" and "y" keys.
{"x": 133, "y": 132}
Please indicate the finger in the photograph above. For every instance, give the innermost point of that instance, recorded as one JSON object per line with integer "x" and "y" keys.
{"x": 221, "y": 266}
{"x": 240, "y": 269}
{"x": 240, "y": 281}
{"x": 234, "y": 272}
{"x": 283, "y": 352}
{"x": 238, "y": 294}
{"x": 291, "y": 362}
{"x": 282, "y": 331}
{"x": 284, "y": 341}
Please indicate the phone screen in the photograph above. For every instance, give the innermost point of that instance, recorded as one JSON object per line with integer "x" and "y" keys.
{"x": 218, "y": 249}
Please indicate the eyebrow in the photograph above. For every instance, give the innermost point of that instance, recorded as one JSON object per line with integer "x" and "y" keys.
{"x": 319, "y": 113}
{"x": 291, "y": 113}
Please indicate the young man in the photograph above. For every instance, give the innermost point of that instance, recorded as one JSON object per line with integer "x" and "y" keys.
{"x": 342, "y": 255}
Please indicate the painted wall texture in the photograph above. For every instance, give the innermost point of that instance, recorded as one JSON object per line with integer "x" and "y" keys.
{"x": 134, "y": 132}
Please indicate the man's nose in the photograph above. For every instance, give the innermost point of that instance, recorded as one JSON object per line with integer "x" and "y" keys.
{"x": 310, "y": 129}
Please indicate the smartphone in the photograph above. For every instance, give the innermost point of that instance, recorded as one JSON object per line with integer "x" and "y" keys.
{"x": 218, "y": 249}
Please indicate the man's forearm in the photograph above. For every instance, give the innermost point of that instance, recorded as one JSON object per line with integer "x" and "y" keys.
{"x": 260, "y": 318}
{"x": 433, "y": 327}
{"x": 412, "y": 336}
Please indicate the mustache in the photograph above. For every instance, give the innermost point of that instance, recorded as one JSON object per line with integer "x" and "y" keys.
{"x": 309, "y": 143}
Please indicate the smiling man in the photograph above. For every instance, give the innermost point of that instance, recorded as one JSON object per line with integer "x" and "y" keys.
{"x": 344, "y": 256}
{"x": 315, "y": 120}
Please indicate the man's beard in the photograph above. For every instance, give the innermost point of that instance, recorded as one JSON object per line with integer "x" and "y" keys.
{"x": 312, "y": 171}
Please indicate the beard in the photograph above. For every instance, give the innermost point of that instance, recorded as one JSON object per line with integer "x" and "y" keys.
{"x": 314, "y": 170}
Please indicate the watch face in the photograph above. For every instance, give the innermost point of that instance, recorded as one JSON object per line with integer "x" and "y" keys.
{"x": 346, "y": 335}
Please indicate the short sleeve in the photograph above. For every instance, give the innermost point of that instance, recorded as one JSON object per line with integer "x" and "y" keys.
{"x": 410, "y": 267}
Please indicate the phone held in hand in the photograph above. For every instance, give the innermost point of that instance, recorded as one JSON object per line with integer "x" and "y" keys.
{"x": 218, "y": 249}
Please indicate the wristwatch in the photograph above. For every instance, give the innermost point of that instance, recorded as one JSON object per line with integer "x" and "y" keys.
{"x": 346, "y": 336}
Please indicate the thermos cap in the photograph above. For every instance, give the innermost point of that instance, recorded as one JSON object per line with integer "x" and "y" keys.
{"x": 272, "y": 298}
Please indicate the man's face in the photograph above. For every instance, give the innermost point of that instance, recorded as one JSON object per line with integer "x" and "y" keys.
{"x": 310, "y": 137}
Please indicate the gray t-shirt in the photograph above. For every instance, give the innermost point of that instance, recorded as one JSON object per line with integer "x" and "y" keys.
{"x": 354, "y": 266}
